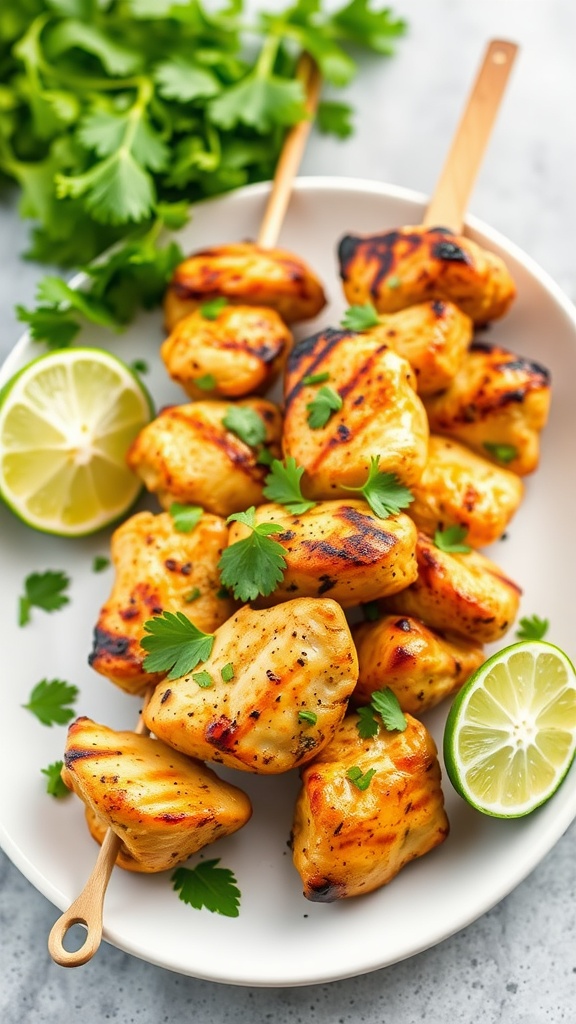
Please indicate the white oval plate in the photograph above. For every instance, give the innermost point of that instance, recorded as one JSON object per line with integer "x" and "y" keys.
{"x": 279, "y": 938}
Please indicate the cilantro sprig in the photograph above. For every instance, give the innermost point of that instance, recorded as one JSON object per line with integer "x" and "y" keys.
{"x": 44, "y": 590}
{"x": 283, "y": 486}
{"x": 54, "y": 784}
{"x": 532, "y": 627}
{"x": 51, "y": 701}
{"x": 208, "y": 886}
{"x": 185, "y": 517}
{"x": 322, "y": 407}
{"x": 383, "y": 491}
{"x": 256, "y": 564}
{"x": 246, "y": 424}
{"x": 360, "y": 318}
{"x": 452, "y": 539}
{"x": 383, "y": 703}
{"x": 360, "y": 779}
{"x": 111, "y": 124}
{"x": 174, "y": 644}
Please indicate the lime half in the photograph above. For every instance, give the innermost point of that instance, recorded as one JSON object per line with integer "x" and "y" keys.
{"x": 66, "y": 422}
{"x": 510, "y": 735}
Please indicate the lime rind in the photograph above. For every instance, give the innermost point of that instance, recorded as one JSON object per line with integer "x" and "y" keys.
{"x": 510, "y": 735}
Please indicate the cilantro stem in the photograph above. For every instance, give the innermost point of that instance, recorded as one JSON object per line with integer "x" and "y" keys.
{"x": 267, "y": 58}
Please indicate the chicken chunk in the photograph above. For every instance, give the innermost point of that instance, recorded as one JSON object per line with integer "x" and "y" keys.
{"x": 294, "y": 667}
{"x": 162, "y": 805}
{"x": 158, "y": 569}
{"x": 187, "y": 455}
{"x": 460, "y": 488}
{"x": 247, "y": 274}
{"x": 240, "y": 351}
{"x": 341, "y": 550}
{"x": 381, "y": 414}
{"x": 497, "y": 404}
{"x": 433, "y": 336}
{"x": 421, "y": 666}
{"x": 347, "y": 841}
{"x": 458, "y": 593}
{"x": 413, "y": 264}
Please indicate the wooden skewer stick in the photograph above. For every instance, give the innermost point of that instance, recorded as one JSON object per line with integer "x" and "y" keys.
{"x": 87, "y": 909}
{"x": 290, "y": 157}
{"x": 450, "y": 199}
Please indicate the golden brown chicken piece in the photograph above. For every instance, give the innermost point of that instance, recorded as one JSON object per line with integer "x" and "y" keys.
{"x": 458, "y": 593}
{"x": 294, "y": 668}
{"x": 158, "y": 569}
{"x": 497, "y": 404}
{"x": 433, "y": 336}
{"x": 381, "y": 414}
{"x": 347, "y": 841}
{"x": 162, "y": 805}
{"x": 421, "y": 666}
{"x": 187, "y": 455}
{"x": 460, "y": 488}
{"x": 240, "y": 351}
{"x": 400, "y": 268}
{"x": 339, "y": 549}
{"x": 246, "y": 274}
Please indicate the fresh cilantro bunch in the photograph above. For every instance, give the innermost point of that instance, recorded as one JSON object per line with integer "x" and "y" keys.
{"x": 116, "y": 114}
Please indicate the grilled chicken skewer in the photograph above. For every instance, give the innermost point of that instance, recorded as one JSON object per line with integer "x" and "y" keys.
{"x": 88, "y": 907}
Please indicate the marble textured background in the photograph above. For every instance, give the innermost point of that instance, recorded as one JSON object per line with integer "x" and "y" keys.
{"x": 517, "y": 964}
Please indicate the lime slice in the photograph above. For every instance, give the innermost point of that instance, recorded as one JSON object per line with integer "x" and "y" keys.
{"x": 66, "y": 422}
{"x": 510, "y": 735}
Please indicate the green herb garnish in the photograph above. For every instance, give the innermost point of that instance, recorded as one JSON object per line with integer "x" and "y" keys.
{"x": 283, "y": 486}
{"x": 322, "y": 407}
{"x": 532, "y": 628}
{"x": 383, "y": 491}
{"x": 360, "y": 318}
{"x": 174, "y": 644}
{"x": 100, "y": 563}
{"x": 54, "y": 784}
{"x": 227, "y": 672}
{"x": 315, "y": 378}
{"x": 185, "y": 517}
{"x": 504, "y": 453}
{"x": 208, "y": 886}
{"x": 385, "y": 704}
{"x": 256, "y": 564}
{"x": 307, "y": 717}
{"x": 361, "y": 781}
{"x": 450, "y": 540}
{"x": 43, "y": 590}
{"x": 246, "y": 424}
{"x": 50, "y": 701}
{"x": 210, "y": 310}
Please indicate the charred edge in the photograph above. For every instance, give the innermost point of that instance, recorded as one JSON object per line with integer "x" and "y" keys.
{"x": 404, "y": 625}
{"x": 171, "y": 819}
{"x": 326, "y": 583}
{"x": 107, "y": 643}
{"x": 167, "y": 693}
{"x": 438, "y": 308}
{"x": 81, "y": 754}
{"x": 368, "y": 529}
{"x": 272, "y": 676}
{"x": 322, "y": 890}
{"x": 400, "y": 656}
{"x": 449, "y": 252}
{"x": 518, "y": 364}
{"x": 221, "y": 733}
{"x": 347, "y": 249}
{"x": 325, "y": 341}
{"x": 267, "y": 352}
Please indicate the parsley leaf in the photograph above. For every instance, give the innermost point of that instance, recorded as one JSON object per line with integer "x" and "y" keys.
{"x": 49, "y": 701}
{"x": 100, "y": 563}
{"x": 246, "y": 424}
{"x": 335, "y": 118}
{"x": 361, "y": 781}
{"x": 360, "y": 318}
{"x": 54, "y": 784}
{"x": 315, "y": 378}
{"x": 175, "y": 645}
{"x": 532, "y": 628}
{"x": 210, "y": 310}
{"x": 256, "y": 564}
{"x": 185, "y": 517}
{"x": 320, "y": 409}
{"x": 43, "y": 590}
{"x": 208, "y": 886}
{"x": 283, "y": 486}
{"x": 502, "y": 452}
{"x": 450, "y": 540}
{"x": 227, "y": 672}
{"x": 383, "y": 491}
{"x": 308, "y": 717}
{"x": 385, "y": 702}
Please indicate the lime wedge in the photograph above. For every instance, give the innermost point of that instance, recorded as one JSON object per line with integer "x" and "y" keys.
{"x": 510, "y": 735}
{"x": 66, "y": 422}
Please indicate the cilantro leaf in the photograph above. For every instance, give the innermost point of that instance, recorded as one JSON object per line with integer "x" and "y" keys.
{"x": 259, "y": 103}
{"x": 115, "y": 190}
{"x": 49, "y": 701}
{"x": 184, "y": 80}
{"x": 501, "y": 452}
{"x": 323, "y": 405}
{"x": 360, "y": 780}
{"x": 185, "y": 517}
{"x": 203, "y": 679}
{"x": 367, "y": 724}
{"x": 54, "y": 784}
{"x": 175, "y": 645}
{"x": 192, "y": 595}
{"x": 335, "y": 119}
{"x": 283, "y": 486}
{"x": 360, "y": 318}
{"x": 139, "y": 366}
{"x": 307, "y": 717}
{"x": 43, "y": 590}
{"x": 385, "y": 702}
{"x": 227, "y": 672}
{"x": 383, "y": 491}
{"x": 100, "y": 563}
{"x": 49, "y": 325}
{"x": 315, "y": 378}
{"x": 367, "y": 27}
{"x": 208, "y": 886}
{"x": 532, "y": 627}
{"x": 246, "y": 424}
{"x": 450, "y": 539}
{"x": 206, "y": 383}
{"x": 256, "y": 564}
{"x": 210, "y": 310}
